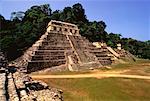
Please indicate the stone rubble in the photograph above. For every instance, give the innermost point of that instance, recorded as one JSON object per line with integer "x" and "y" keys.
{"x": 18, "y": 86}
{"x": 2, "y": 87}
{"x": 33, "y": 90}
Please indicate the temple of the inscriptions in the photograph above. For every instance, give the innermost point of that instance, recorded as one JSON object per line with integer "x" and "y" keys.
{"x": 62, "y": 47}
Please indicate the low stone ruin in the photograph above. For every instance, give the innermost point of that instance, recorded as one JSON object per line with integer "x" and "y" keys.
{"x": 117, "y": 54}
{"x": 33, "y": 90}
{"x": 17, "y": 86}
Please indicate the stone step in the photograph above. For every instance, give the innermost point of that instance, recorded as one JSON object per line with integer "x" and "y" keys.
{"x": 98, "y": 50}
{"x": 48, "y": 57}
{"x": 103, "y": 58}
{"x": 51, "y": 48}
{"x": 76, "y": 37}
{"x": 56, "y": 34}
{"x": 101, "y": 55}
{"x": 59, "y": 36}
{"x": 55, "y": 49}
{"x": 105, "y": 62}
{"x": 54, "y": 46}
{"x": 51, "y": 53}
{"x": 55, "y": 42}
{"x": 40, "y": 61}
{"x": 39, "y": 65}
{"x": 63, "y": 37}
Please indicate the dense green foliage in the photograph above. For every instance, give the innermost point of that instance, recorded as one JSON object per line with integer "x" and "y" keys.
{"x": 17, "y": 36}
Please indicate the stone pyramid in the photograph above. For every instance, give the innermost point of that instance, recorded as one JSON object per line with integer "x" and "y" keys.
{"x": 63, "y": 48}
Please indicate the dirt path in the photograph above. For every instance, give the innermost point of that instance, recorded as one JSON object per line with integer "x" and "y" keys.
{"x": 92, "y": 75}
{"x": 97, "y": 74}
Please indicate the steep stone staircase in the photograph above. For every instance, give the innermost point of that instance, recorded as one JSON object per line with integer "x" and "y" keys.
{"x": 51, "y": 52}
{"x": 102, "y": 55}
{"x": 95, "y": 54}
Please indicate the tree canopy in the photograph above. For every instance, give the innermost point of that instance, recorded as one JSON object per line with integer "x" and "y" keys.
{"x": 18, "y": 35}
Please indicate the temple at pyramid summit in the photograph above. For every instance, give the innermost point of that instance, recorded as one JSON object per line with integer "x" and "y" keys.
{"x": 63, "y": 48}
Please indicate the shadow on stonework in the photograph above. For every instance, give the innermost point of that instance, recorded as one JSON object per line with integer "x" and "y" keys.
{"x": 35, "y": 85}
{"x": 12, "y": 69}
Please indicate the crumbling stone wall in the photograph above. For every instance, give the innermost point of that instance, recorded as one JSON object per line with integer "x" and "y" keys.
{"x": 20, "y": 87}
{"x": 17, "y": 86}
{"x": 2, "y": 87}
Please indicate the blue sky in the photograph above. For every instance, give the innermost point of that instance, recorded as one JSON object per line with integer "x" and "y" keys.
{"x": 130, "y": 18}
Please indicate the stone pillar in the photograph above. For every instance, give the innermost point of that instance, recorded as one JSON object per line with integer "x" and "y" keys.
{"x": 77, "y": 32}
{"x": 73, "y": 31}
{"x": 51, "y": 28}
{"x": 57, "y": 29}
{"x": 119, "y": 46}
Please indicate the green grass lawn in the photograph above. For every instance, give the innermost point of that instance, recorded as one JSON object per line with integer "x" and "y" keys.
{"x": 62, "y": 72}
{"x": 130, "y": 64}
{"x": 107, "y": 89}
{"x": 140, "y": 67}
